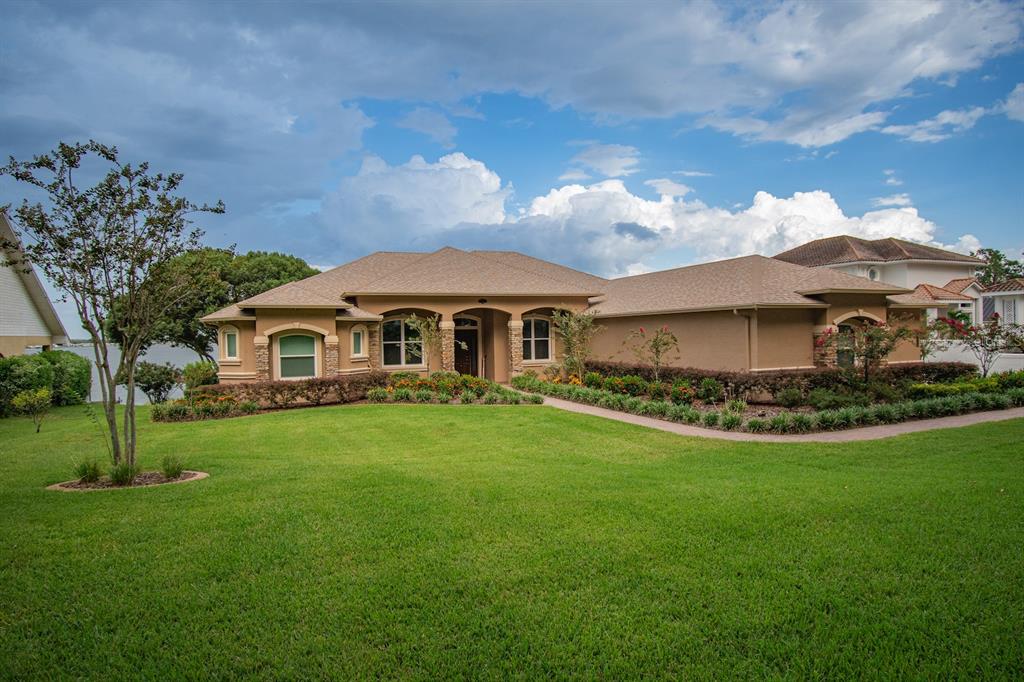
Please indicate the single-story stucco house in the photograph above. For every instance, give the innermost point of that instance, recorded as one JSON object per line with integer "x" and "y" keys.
{"x": 751, "y": 313}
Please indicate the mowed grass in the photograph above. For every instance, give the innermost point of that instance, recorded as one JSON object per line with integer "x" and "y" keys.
{"x": 479, "y": 541}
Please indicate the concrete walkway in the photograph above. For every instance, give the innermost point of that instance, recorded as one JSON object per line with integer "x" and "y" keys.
{"x": 863, "y": 433}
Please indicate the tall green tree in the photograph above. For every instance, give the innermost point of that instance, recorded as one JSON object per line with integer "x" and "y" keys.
{"x": 998, "y": 267}
{"x": 107, "y": 247}
{"x": 258, "y": 271}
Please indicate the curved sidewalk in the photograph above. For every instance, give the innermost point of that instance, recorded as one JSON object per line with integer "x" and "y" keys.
{"x": 862, "y": 433}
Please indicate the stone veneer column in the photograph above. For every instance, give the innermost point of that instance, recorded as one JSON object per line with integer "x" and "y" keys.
{"x": 515, "y": 347}
{"x": 373, "y": 344}
{"x": 447, "y": 345}
{"x": 824, "y": 355}
{"x": 332, "y": 361}
{"x": 262, "y": 345}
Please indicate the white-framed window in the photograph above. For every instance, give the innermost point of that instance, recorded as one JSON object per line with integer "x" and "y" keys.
{"x": 296, "y": 356}
{"x": 229, "y": 343}
{"x": 536, "y": 338}
{"x": 400, "y": 344}
{"x": 358, "y": 345}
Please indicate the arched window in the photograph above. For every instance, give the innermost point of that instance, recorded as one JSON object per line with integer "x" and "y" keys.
{"x": 400, "y": 344}
{"x": 872, "y": 274}
{"x": 536, "y": 338}
{"x": 296, "y": 356}
{"x": 229, "y": 343}
{"x": 358, "y": 344}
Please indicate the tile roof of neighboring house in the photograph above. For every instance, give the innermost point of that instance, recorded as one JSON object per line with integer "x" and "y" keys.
{"x": 958, "y": 285}
{"x": 847, "y": 249}
{"x": 927, "y": 293}
{"x": 1015, "y": 284}
{"x": 750, "y": 281}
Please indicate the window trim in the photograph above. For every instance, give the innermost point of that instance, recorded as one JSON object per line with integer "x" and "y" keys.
{"x": 534, "y": 339}
{"x": 222, "y": 341}
{"x": 401, "y": 344}
{"x": 363, "y": 353}
{"x": 277, "y": 353}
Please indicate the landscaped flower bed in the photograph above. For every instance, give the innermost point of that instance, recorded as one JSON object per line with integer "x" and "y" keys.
{"x": 707, "y": 405}
{"x": 233, "y": 400}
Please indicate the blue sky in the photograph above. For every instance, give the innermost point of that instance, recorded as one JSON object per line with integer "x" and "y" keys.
{"x": 615, "y": 137}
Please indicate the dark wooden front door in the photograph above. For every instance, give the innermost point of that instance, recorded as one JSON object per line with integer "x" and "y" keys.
{"x": 466, "y": 351}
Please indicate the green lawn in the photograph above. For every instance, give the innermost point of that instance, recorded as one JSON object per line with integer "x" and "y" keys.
{"x": 476, "y": 541}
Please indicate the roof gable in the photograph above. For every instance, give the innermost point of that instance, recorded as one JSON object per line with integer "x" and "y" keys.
{"x": 848, "y": 249}
{"x": 33, "y": 285}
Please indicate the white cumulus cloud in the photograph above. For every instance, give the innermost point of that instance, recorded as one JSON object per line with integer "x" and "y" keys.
{"x": 1013, "y": 107}
{"x": 669, "y": 188}
{"x": 610, "y": 160}
{"x": 940, "y": 127}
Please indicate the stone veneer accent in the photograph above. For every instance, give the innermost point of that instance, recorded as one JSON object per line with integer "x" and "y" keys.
{"x": 824, "y": 356}
{"x": 332, "y": 361}
{"x": 447, "y": 345}
{"x": 373, "y": 345}
{"x": 262, "y": 345}
{"x": 515, "y": 347}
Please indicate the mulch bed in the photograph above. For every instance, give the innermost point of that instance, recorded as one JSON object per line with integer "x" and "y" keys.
{"x": 142, "y": 480}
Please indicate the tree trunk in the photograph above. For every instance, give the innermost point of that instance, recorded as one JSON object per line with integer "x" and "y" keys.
{"x": 128, "y": 363}
{"x": 108, "y": 390}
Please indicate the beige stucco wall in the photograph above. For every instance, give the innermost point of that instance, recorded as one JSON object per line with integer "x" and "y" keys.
{"x": 244, "y": 368}
{"x": 785, "y": 338}
{"x": 712, "y": 340}
{"x": 448, "y": 307}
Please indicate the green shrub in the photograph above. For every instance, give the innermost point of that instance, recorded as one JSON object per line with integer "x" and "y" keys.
{"x": 658, "y": 390}
{"x": 403, "y": 395}
{"x": 755, "y": 425}
{"x": 632, "y": 385}
{"x": 171, "y": 466}
{"x": 88, "y": 470}
{"x": 710, "y": 390}
{"x": 468, "y": 397}
{"x": 248, "y": 407}
{"x": 201, "y": 373}
{"x": 682, "y": 393}
{"x": 123, "y": 473}
{"x": 492, "y": 398}
{"x": 378, "y": 395}
{"x": 879, "y": 391}
{"x": 789, "y": 397}
{"x": 801, "y": 423}
{"x": 737, "y": 406}
{"x": 825, "y": 399}
{"x": 72, "y": 376}
{"x": 710, "y": 419}
{"x": 656, "y": 408}
{"x": 444, "y": 398}
{"x": 1016, "y": 396}
{"x": 1001, "y": 401}
{"x": 693, "y": 415}
{"x": 22, "y": 373}
{"x": 424, "y": 396}
{"x": 886, "y": 414}
{"x": 534, "y": 399}
{"x": 593, "y": 380}
{"x": 1010, "y": 380}
{"x": 34, "y": 403}
{"x": 731, "y": 420}
{"x": 780, "y": 423}
{"x": 826, "y": 420}
{"x": 156, "y": 381}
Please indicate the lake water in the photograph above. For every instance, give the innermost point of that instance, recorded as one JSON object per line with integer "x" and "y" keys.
{"x": 179, "y": 357}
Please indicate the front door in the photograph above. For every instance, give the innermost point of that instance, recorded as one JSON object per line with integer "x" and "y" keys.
{"x": 466, "y": 351}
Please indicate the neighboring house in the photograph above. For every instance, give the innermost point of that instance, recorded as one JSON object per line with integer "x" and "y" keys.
{"x": 1006, "y": 299}
{"x": 27, "y": 317}
{"x": 751, "y": 313}
{"x": 945, "y": 277}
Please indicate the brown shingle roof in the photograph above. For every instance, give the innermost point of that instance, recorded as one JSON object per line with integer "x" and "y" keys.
{"x": 847, "y": 249}
{"x": 1015, "y": 284}
{"x": 547, "y": 269}
{"x": 750, "y": 281}
{"x": 232, "y": 312}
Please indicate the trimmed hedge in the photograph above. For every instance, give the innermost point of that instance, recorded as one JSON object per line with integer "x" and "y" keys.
{"x": 72, "y": 376}
{"x": 742, "y": 384}
{"x": 67, "y": 376}
{"x": 317, "y": 391}
{"x": 785, "y": 422}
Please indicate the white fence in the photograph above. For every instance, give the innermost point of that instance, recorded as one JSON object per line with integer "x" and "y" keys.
{"x": 1007, "y": 362}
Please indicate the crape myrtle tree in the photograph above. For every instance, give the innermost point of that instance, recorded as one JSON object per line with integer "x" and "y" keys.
{"x": 654, "y": 347}
{"x": 986, "y": 341}
{"x": 870, "y": 342}
{"x": 107, "y": 247}
{"x": 576, "y": 331}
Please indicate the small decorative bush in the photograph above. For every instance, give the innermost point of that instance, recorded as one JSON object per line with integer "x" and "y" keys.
{"x": 248, "y": 407}
{"x": 826, "y": 420}
{"x": 780, "y": 423}
{"x": 402, "y": 395}
{"x": 635, "y": 405}
{"x": 737, "y": 406}
{"x": 682, "y": 393}
{"x": 88, "y": 470}
{"x": 444, "y": 398}
{"x": 593, "y": 380}
{"x": 657, "y": 390}
{"x": 731, "y": 420}
{"x": 710, "y": 419}
{"x": 657, "y": 408}
{"x": 755, "y": 425}
{"x": 710, "y": 390}
{"x": 123, "y": 473}
{"x": 492, "y": 398}
{"x": 22, "y": 373}
{"x": 378, "y": 395}
{"x": 801, "y": 423}
{"x": 534, "y": 398}
{"x": 72, "y": 376}
{"x": 468, "y": 398}
{"x": 424, "y": 396}
{"x": 789, "y": 397}
{"x": 171, "y": 466}
{"x": 196, "y": 374}
{"x": 34, "y": 403}
{"x": 886, "y": 414}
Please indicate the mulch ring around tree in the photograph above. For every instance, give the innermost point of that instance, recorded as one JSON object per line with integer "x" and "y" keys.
{"x": 144, "y": 480}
